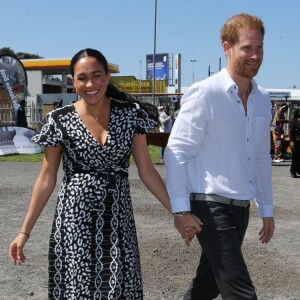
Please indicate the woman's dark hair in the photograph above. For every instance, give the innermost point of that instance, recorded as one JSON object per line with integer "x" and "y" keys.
{"x": 112, "y": 91}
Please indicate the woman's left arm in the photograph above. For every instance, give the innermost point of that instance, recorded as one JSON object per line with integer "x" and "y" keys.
{"x": 187, "y": 225}
{"x": 147, "y": 171}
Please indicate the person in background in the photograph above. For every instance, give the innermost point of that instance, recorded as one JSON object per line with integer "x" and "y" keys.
{"x": 176, "y": 110}
{"x": 58, "y": 104}
{"x": 294, "y": 134}
{"x": 166, "y": 121}
{"x": 280, "y": 144}
{"x": 21, "y": 119}
{"x": 93, "y": 250}
{"x": 225, "y": 113}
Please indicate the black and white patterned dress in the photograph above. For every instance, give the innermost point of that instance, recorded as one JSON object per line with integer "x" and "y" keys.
{"x": 93, "y": 252}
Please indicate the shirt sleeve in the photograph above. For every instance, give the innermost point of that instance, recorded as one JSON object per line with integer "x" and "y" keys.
{"x": 49, "y": 133}
{"x": 264, "y": 194}
{"x": 183, "y": 145}
{"x": 144, "y": 123}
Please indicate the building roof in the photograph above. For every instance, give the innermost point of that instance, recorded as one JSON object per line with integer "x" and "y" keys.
{"x": 56, "y": 65}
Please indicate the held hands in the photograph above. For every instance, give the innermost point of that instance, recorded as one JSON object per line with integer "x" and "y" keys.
{"x": 16, "y": 249}
{"x": 188, "y": 226}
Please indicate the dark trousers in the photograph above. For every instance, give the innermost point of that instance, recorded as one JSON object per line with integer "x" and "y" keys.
{"x": 162, "y": 152}
{"x": 222, "y": 269}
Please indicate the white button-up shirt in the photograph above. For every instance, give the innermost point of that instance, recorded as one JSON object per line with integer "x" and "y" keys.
{"x": 218, "y": 147}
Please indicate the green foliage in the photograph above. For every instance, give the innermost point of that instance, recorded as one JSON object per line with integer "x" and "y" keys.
{"x": 6, "y": 50}
{"x": 20, "y": 55}
{"x": 153, "y": 150}
{"x": 25, "y": 55}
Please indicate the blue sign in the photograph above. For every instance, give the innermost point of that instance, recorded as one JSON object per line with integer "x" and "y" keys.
{"x": 161, "y": 66}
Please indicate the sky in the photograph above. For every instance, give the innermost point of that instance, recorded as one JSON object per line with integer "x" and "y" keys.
{"x": 124, "y": 32}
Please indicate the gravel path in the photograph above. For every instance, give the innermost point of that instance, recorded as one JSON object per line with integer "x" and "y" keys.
{"x": 167, "y": 265}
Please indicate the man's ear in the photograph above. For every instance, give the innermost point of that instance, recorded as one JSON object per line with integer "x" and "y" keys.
{"x": 227, "y": 48}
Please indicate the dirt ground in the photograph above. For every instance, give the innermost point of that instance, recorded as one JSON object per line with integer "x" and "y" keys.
{"x": 167, "y": 264}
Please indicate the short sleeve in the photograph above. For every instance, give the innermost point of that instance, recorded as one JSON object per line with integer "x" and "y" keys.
{"x": 49, "y": 134}
{"x": 144, "y": 122}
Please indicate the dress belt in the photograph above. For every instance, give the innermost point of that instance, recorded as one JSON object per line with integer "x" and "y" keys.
{"x": 111, "y": 175}
{"x": 219, "y": 199}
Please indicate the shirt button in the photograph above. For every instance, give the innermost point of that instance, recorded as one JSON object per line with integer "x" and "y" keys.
{"x": 247, "y": 139}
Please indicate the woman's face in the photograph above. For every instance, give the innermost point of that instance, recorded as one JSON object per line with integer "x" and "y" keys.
{"x": 90, "y": 80}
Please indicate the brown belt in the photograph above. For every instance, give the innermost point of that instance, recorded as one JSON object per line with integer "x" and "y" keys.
{"x": 219, "y": 199}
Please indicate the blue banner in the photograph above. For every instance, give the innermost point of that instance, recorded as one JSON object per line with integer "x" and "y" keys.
{"x": 161, "y": 66}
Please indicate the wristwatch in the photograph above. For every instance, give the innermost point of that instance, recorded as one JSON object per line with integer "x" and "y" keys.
{"x": 181, "y": 213}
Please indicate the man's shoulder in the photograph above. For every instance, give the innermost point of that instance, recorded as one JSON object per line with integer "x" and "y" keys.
{"x": 263, "y": 91}
{"x": 204, "y": 89}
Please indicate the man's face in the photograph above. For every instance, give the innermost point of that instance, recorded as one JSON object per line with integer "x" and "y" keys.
{"x": 246, "y": 56}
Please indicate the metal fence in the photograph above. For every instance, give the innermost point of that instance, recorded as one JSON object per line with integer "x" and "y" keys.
{"x": 34, "y": 114}
{"x": 6, "y": 114}
{"x": 37, "y": 107}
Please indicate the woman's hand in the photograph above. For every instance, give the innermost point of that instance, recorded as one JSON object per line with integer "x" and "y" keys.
{"x": 16, "y": 249}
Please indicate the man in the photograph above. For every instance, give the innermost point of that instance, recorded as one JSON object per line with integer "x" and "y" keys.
{"x": 218, "y": 158}
{"x": 166, "y": 121}
{"x": 176, "y": 110}
{"x": 21, "y": 120}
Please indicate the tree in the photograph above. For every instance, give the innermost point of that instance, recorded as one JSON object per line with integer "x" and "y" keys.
{"x": 25, "y": 55}
{"x": 20, "y": 55}
{"x": 6, "y": 50}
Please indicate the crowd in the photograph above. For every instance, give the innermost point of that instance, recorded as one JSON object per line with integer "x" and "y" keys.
{"x": 285, "y": 136}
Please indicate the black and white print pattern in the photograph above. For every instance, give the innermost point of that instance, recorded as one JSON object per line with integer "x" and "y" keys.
{"x": 93, "y": 252}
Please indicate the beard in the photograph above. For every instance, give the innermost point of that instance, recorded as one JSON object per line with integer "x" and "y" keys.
{"x": 247, "y": 69}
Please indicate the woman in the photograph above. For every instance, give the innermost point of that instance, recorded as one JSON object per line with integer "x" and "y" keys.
{"x": 93, "y": 250}
{"x": 294, "y": 132}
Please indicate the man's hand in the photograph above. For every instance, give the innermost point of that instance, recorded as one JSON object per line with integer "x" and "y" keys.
{"x": 267, "y": 231}
{"x": 188, "y": 226}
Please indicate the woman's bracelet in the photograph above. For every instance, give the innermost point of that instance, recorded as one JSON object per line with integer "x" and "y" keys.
{"x": 25, "y": 234}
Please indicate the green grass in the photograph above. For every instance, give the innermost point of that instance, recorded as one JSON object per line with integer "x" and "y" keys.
{"x": 153, "y": 150}
{"x": 154, "y": 153}
{"x": 22, "y": 157}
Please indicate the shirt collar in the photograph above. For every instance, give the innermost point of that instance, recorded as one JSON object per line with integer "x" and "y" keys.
{"x": 230, "y": 84}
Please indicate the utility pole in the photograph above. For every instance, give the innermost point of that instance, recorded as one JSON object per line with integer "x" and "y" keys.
{"x": 154, "y": 52}
{"x": 193, "y": 62}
